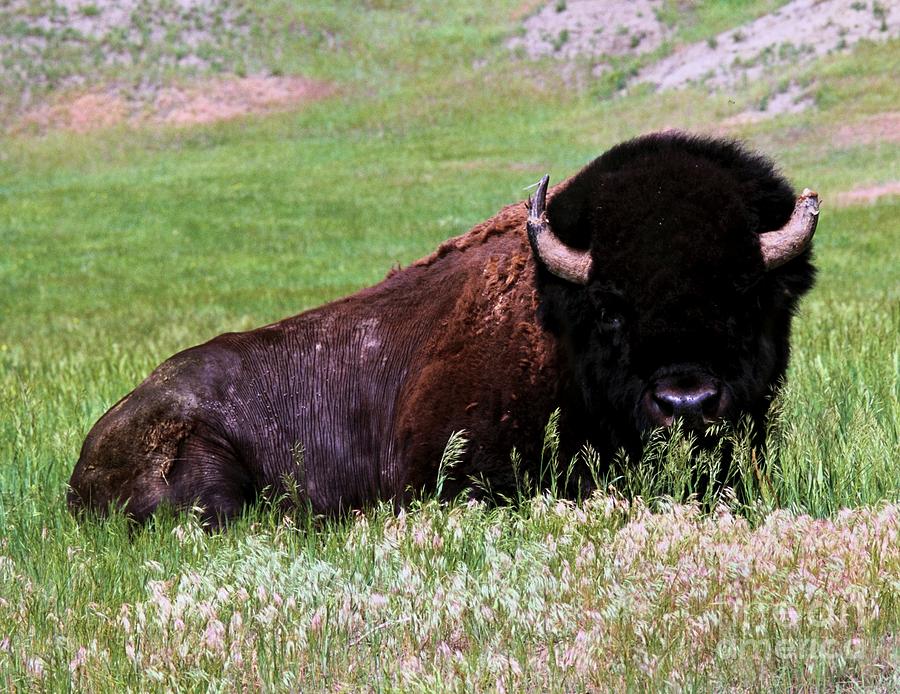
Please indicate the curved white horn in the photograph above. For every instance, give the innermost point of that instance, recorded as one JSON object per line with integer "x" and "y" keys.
{"x": 782, "y": 245}
{"x": 557, "y": 257}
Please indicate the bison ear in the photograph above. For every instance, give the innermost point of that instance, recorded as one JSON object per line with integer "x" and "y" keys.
{"x": 563, "y": 261}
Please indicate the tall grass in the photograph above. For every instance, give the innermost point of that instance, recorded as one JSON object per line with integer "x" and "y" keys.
{"x": 120, "y": 248}
{"x": 547, "y": 595}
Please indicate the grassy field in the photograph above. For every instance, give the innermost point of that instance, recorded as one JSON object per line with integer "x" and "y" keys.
{"x": 121, "y": 247}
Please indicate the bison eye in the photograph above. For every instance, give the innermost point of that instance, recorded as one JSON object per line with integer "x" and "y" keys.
{"x": 609, "y": 319}
{"x": 609, "y": 307}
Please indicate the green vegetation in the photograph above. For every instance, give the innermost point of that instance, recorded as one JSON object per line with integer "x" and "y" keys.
{"x": 122, "y": 247}
{"x": 698, "y": 20}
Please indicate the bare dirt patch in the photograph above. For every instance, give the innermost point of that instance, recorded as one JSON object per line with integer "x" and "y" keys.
{"x": 867, "y": 195}
{"x": 227, "y": 99}
{"x": 793, "y": 99}
{"x": 205, "y": 101}
{"x": 587, "y": 27}
{"x": 874, "y": 129}
{"x": 525, "y": 8}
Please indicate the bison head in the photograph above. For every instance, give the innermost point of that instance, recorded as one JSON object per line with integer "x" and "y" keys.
{"x": 671, "y": 268}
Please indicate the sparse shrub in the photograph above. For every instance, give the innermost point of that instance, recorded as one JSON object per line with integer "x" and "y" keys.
{"x": 825, "y": 97}
{"x": 669, "y": 12}
{"x": 561, "y": 39}
{"x": 787, "y": 51}
{"x": 614, "y": 79}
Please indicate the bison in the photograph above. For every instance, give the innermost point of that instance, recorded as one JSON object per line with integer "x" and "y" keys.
{"x": 657, "y": 284}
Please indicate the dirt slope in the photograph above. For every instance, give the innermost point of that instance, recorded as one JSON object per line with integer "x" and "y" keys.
{"x": 796, "y": 33}
{"x": 792, "y": 35}
{"x": 587, "y": 27}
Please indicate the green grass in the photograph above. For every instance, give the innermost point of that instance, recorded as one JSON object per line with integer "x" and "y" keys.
{"x": 121, "y": 247}
{"x": 695, "y": 20}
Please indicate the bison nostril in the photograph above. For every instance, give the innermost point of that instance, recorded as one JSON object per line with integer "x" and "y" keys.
{"x": 710, "y": 405}
{"x": 697, "y": 403}
{"x": 665, "y": 405}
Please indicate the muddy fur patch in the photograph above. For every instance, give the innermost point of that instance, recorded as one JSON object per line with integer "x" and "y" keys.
{"x": 163, "y": 440}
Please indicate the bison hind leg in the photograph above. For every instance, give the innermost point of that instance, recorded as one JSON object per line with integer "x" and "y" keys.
{"x": 209, "y": 475}
{"x": 170, "y": 463}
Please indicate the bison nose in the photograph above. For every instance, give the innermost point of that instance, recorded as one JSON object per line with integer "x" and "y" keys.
{"x": 697, "y": 402}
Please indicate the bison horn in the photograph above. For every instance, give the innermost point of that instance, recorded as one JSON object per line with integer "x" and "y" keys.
{"x": 778, "y": 247}
{"x": 557, "y": 257}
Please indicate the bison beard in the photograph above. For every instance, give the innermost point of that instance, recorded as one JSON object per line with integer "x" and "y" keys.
{"x": 657, "y": 285}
